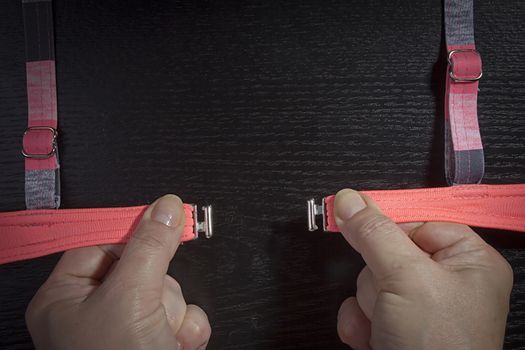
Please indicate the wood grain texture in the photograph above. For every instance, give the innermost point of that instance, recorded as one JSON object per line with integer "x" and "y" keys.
{"x": 255, "y": 107}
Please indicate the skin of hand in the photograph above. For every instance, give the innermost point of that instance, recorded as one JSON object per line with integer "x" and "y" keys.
{"x": 424, "y": 286}
{"x": 115, "y": 297}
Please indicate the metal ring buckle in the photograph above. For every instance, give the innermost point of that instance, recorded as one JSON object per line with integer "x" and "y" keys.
{"x": 451, "y": 64}
{"x": 54, "y": 133}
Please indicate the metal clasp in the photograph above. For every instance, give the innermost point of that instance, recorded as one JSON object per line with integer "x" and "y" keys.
{"x": 313, "y": 211}
{"x": 451, "y": 64}
{"x": 205, "y": 226}
{"x": 54, "y": 134}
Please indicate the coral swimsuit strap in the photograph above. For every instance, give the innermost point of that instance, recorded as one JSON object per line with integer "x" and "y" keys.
{"x": 491, "y": 206}
{"x": 29, "y": 234}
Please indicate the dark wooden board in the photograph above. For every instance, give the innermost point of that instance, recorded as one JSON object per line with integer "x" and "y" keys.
{"x": 254, "y": 107}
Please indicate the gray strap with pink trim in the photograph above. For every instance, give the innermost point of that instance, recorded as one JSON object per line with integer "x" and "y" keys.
{"x": 42, "y": 177}
{"x": 464, "y": 160}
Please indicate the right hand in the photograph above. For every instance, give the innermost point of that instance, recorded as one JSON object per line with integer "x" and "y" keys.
{"x": 425, "y": 285}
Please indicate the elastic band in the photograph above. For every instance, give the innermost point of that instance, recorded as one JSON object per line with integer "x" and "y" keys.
{"x": 490, "y": 206}
{"x": 29, "y": 234}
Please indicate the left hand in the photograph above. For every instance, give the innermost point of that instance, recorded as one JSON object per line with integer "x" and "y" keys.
{"x": 110, "y": 297}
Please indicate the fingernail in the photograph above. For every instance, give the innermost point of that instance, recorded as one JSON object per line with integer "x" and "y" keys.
{"x": 348, "y": 203}
{"x": 167, "y": 210}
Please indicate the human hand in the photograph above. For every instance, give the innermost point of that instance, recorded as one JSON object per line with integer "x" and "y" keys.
{"x": 425, "y": 286}
{"x": 114, "y": 297}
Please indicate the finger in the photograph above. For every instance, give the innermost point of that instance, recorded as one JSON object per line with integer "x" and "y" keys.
{"x": 88, "y": 265}
{"x": 353, "y": 326}
{"x": 366, "y": 292}
{"x": 146, "y": 257}
{"x": 195, "y": 330}
{"x": 174, "y": 303}
{"x": 458, "y": 245}
{"x": 435, "y": 236}
{"x": 383, "y": 245}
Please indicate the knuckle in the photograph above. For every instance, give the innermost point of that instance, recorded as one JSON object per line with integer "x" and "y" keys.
{"x": 203, "y": 330}
{"x": 346, "y": 324}
{"x": 47, "y": 317}
{"x": 30, "y": 314}
{"x": 199, "y": 332}
{"x": 505, "y": 271}
{"x": 346, "y": 332}
{"x": 509, "y": 272}
{"x": 345, "y": 307}
{"x": 172, "y": 285}
{"x": 495, "y": 262}
{"x": 199, "y": 326}
{"x": 360, "y": 279}
{"x": 177, "y": 288}
{"x": 37, "y": 307}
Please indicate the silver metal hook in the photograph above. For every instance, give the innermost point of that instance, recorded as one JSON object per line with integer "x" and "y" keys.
{"x": 313, "y": 211}
{"x": 205, "y": 226}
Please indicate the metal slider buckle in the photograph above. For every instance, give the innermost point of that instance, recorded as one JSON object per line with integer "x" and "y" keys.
{"x": 451, "y": 64}
{"x": 205, "y": 226}
{"x": 54, "y": 133}
{"x": 313, "y": 211}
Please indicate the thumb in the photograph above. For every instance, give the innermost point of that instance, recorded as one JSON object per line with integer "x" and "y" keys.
{"x": 382, "y": 244}
{"x": 146, "y": 257}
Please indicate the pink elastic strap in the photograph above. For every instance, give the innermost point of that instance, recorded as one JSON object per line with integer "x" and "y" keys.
{"x": 42, "y": 173}
{"x": 461, "y": 109}
{"x": 464, "y": 156}
{"x": 490, "y": 206}
{"x": 42, "y": 112}
{"x": 32, "y": 233}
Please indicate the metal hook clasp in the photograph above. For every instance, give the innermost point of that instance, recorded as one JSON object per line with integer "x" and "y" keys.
{"x": 205, "y": 226}
{"x": 313, "y": 211}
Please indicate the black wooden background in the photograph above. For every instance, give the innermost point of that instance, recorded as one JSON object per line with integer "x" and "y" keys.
{"x": 254, "y": 107}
